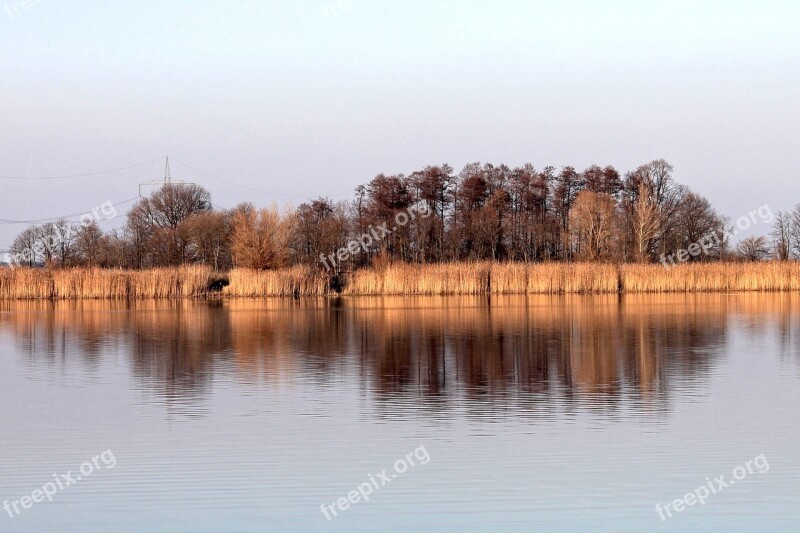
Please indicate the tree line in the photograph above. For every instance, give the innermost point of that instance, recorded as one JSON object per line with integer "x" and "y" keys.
{"x": 482, "y": 212}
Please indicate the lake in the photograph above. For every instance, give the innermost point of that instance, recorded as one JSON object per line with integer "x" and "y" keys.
{"x": 524, "y": 413}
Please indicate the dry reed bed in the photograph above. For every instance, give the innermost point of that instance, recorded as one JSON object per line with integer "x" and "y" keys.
{"x": 483, "y": 278}
{"x": 711, "y": 277}
{"x": 554, "y": 278}
{"x": 25, "y": 283}
{"x": 293, "y": 281}
{"x": 405, "y": 279}
{"x": 96, "y": 283}
{"x": 402, "y": 279}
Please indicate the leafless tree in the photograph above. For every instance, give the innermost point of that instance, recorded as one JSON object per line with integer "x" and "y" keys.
{"x": 754, "y": 248}
{"x": 25, "y": 250}
{"x": 782, "y": 236}
{"x": 794, "y": 239}
{"x": 89, "y": 242}
{"x": 260, "y": 239}
{"x": 322, "y": 227}
{"x": 592, "y": 226}
{"x": 434, "y": 186}
{"x": 646, "y": 224}
{"x": 64, "y": 240}
{"x": 209, "y": 234}
{"x": 47, "y": 243}
{"x": 158, "y": 222}
{"x": 484, "y": 212}
{"x": 696, "y": 221}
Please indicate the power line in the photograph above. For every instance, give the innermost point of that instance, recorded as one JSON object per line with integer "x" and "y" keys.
{"x": 90, "y": 174}
{"x": 41, "y": 220}
{"x": 236, "y": 184}
{"x": 229, "y": 182}
{"x": 79, "y": 175}
{"x": 166, "y": 179}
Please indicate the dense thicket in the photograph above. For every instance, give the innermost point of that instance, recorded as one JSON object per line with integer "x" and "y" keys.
{"x": 483, "y": 212}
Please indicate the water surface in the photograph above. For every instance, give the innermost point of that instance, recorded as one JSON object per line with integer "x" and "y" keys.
{"x": 537, "y": 413}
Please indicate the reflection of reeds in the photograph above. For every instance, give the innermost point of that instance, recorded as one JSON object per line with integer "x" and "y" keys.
{"x": 596, "y": 344}
{"x": 402, "y": 279}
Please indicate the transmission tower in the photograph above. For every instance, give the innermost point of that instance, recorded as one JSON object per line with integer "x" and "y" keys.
{"x": 166, "y": 180}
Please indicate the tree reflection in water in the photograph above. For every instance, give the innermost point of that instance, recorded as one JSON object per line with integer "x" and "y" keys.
{"x": 482, "y": 351}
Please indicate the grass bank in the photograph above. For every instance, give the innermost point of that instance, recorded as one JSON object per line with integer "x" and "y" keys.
{"x": 401, "y": 280}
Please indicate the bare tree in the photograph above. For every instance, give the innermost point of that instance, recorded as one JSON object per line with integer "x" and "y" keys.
{"x": 118, "y": 250}
{"x": 725, "y": 229}
{"x": 209, "y": 235}
{"x": 161, "y": 219}
{"x": 602, "y": 180}
{"x": 64, "y": 240}
{"x": 434, "y": 185}
{"x": 321, "y": 228}
{"x": 667, "y": 196}
{"x": 592, "y": 225}
{"x": 260, "y": 239}
{"x": 25, "y": 249}
{"x": 46, "y": 243}
{"x": 89, "y": 244}
{"x": 754, "y": 248}
{"x": 646, "y": 224}
{"x": 794, "y": 239}
{"x": 782, "y": 236}
{"x": 568, "y": 184}
{"x": 485, "y": 212}
{"x": 657, "y": 175}
{"x": 696, "y": 221}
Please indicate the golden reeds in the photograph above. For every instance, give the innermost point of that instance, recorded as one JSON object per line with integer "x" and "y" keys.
{"x": 403, "y": 279}
{"x": 90, "y": 283}
{"x": 553, "y": 278}
{"x": 96, "y": 283}
{"x": 293, "y": 281}
{"x": 712, "y": 277}
{"x": 170, "y": 282}
{"x": 25, "y": 283}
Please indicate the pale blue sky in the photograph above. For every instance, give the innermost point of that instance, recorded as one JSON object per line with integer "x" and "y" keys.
{"x": 312, "y": 98}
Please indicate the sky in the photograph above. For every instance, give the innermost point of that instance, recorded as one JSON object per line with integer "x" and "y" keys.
{"x": 268, "y": 102}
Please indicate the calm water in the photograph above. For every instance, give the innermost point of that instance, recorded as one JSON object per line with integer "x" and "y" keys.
{"x": 529, "y": 413}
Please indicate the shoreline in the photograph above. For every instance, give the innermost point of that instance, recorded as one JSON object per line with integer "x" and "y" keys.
{"x": 399, "y": 279}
